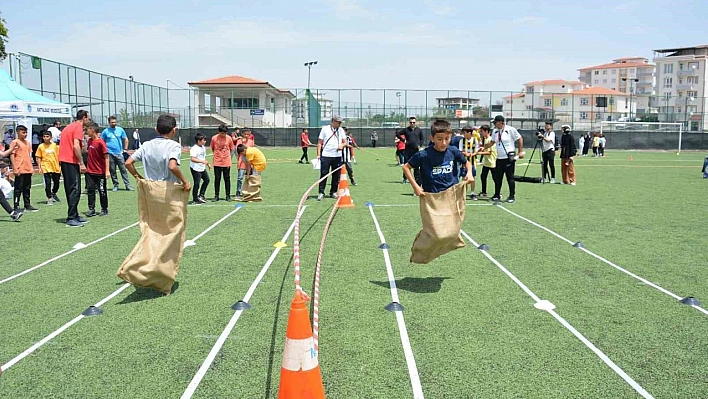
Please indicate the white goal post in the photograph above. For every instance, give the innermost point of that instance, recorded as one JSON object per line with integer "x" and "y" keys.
{"x": 643, "y": 126}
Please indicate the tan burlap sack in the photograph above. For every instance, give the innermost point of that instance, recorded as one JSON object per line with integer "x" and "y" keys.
{"x": 251, "y": 190}
{"x": 442, "y": 215}
{"x": 154, "y": 262}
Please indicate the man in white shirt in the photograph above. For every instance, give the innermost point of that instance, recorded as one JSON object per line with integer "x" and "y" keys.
{"x": 504, "y": 137}
{"x": 549, "y": 152}
{"x": 136, "y": 139}
{"x": 56, "y": 133}
{"x": 329, "y": 151}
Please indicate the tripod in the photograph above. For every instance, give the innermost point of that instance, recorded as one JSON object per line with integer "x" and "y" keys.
{"x": 538, "y": 142}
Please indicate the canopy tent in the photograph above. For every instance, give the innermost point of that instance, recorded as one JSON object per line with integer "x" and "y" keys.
{"x": 19, "y": 102}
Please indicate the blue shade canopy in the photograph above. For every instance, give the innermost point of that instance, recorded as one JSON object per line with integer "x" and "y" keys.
{"x": 17, "y": 101}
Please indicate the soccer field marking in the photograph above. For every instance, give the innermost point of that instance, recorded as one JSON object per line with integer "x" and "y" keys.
{"x": 196, "y": 380}
{"x": 403, "y": 331}
{"x": 639, "y": 166}
{"x": 403, "y": 205}
{"x": 46, "y": 262}
{"x": 638, "y": 388}
{"x": 623, "y": 270}
{"x": 81, "y": 316}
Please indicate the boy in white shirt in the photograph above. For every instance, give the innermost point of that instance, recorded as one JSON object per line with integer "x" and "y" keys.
{"x": 6, "y": 189}
{"x": 198, "y": 165}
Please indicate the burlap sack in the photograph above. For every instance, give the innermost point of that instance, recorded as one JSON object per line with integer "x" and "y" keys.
{"x": 442, "y": 215}
{"x": 154, "y": 262}
{"x": 251, "y": 190}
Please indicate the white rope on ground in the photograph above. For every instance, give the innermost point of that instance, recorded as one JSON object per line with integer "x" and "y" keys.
{"x": 625, "y": 271}
{"x": 565, "y": 324}
{"x": 403, "y": 331}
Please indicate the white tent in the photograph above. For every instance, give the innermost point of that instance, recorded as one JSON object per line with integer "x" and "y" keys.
{"x": 18, "y": 102}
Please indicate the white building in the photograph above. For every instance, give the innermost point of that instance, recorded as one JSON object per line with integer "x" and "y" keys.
{"x": 460, "y": 107}
{"x": 633, "y": 75}
{"x": 584, "y": 109}
{"x": 531, "y": 104}
{"x": 241, "y": 101}
{"x": 300, "y": 108}
{"x": 682, "y": 84}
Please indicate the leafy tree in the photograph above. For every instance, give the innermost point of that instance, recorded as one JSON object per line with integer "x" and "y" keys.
{"x": 3, "y": 39}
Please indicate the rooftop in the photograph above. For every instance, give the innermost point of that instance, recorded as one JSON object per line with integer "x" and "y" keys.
{"x": 613, "y": 65}
{"x": 552, "y": 82}
{"x": 671, "y": 50}
{"x": 230, "y": 80}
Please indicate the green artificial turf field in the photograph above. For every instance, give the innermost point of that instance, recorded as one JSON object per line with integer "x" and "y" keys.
{"x": 473, "y": 331}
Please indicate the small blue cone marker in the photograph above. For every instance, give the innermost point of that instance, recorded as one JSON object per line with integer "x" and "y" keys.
{"x": 579, "y": 245}
{"x": 92, "y": 311}
{"x": 238, "y": 206}
{"x": 369, "y": 204}
{"x": 690, "y": 301}
{"x": 394, "y": 307}
{"x": 241, "y": 305}
{"x": 483, "y": 247}
{"x": 384, "y": 246}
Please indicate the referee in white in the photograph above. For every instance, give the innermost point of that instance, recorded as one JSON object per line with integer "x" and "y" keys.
{"x": 505, "y": 138}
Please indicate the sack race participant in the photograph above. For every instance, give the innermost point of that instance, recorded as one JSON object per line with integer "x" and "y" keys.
{"x": 442, "y": 198}
{"x": 255, "y": 163}
{"x": 162, "y": 206}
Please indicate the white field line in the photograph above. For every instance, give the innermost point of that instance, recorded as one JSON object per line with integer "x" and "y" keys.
{"x": 66, "y": 253}
{"x": 196, "y": 380}
{"x": 623, "y": 270}
{"x": 405, "y": 205}
{"x": 567, "y": 325}
{"x": 79, "y": 317}
{"x": 407, "y": 350}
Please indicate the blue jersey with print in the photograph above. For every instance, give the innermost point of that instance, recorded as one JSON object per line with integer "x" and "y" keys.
{"x": 114, "y": 139}
{"x": 438, "y": 170}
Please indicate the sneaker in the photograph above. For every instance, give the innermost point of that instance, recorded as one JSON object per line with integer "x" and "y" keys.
{"x": 16, "y": 215}
{"x": 543, "y": 180}
{"x": 473, "y": 197}
{"x": 511, "y": 200}
{"x": 553, "y": 181}
{"x": 197, "y": 202}
{"x": 55, "y": 198}
{"x": 300, "y": 161}
{"x": 129, "y": 188}
{"x": 30, "y": 208}
{"x": 216, "y": 199}
{"x": 50, "y": 201}
{"x": 91, "y": 213}
{"x": 228, "y": 198}
{"x": 82, "y": 220}
{"x": 353, "y": 183}
{"x": 239, "y": 197}
{"x": 319, "y": 197}
{"x": 404, "y": 181}
{"x": 483, "y": 195}
{"x": 496, "y": 199}
{"x": 115, "y": 188}
{"x": 103, "y": 213}
{"x": 74, "y": 223}
{"x": 572, "y": 184}
{"x": 333, "y": 196}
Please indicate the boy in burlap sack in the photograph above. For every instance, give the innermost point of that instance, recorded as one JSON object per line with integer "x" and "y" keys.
{"x": 162, "y": 205}
{"x": 442, "y": 198}
{"x": 255, "y": 163}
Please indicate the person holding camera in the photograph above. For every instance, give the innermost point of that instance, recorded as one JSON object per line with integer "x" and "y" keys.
{"x": 568, "y": 150}
{"x": 548, "y": 136}
{"x": 504, "y": 137}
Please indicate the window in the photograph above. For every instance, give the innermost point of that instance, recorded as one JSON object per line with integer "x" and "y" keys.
{"x": 247, "y": 103}
{"x": 631, "y": 70}
{"x": 678, "y": 110}
{"x": 680, "y": 94}
{"x": 614, "y": 72}
{"x": 597, "y": 72}
{"x": 584, "y": 101}
{"x": 542, "y": 115}
{"x": 692, "y": 94}
{"x": 692, "y": 80}
{"x": 623, "y": 90}
{"x": 547, "y": 102}
{"x": 564, "y": 102}
{"x": 612, "y": 101}
{"x": 583, "y": 115}
{"x": 597, "y": 81}
{"x": 668, "y": 83}
{"x": 529, "y": 108}
{"x": 598, "y": 116}
{"x": 604, "y": 81}
{"x": 668, "y": 68}
{"x": 604, "y": 71}
{"x": 693, "y": 65}
{"x": 614, "y": 80}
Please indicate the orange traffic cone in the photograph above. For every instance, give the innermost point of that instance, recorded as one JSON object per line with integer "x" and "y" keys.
{"x": 345, "y": 200}
{"x": 631, "y": 158}
{"x": 300, "y": 376}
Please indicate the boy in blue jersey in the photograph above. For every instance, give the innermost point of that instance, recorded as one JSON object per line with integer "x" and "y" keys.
{"x": 439, "y": 163}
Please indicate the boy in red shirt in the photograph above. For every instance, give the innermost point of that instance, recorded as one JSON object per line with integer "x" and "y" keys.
{"x": 97, "y": 170}
{"x": 304, "y": 143}
{"x": 22, "y": 168}
{"x": 222, "y": 146}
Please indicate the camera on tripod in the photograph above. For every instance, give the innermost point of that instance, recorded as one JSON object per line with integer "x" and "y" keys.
{"x": 540, "y": 132}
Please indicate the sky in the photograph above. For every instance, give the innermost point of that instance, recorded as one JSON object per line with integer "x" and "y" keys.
{"x": 414, "y": 44}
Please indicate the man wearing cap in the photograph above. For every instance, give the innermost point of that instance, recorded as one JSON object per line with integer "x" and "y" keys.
{"x": 504, "y": 137}
{"x": 413, "y": 137}
{"x": 329, "y": 151}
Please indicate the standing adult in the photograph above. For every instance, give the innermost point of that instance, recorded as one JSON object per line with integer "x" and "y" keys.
{"x": 374, "y": 138}
{"x": 56, "y": 133}
{"x": 72, "y": 165}
{"x": 504, "y": 137}
{"x": 117, "y": 143}
{"x": 305, "y": 144}
{"x": 329, "y": 151}
{"x": 549, "y": 153}
{"x": 568, "y": 151}
{"x": 413, "y": 137}
{"x": 587, "y": 143}
{"x": 9, "y": 136}
{"x": 136, "y": 139}
{"x": 35, "y": 142}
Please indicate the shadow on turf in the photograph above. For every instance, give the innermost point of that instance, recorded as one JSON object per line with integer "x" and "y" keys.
{"x": 144, "y": 294}
{"x": 428, "y": 285}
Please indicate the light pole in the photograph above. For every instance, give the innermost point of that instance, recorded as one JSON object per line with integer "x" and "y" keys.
{"x": 631, "y": 92}
{"x": 307, "y": 93}
{"x": 398, "y": 94}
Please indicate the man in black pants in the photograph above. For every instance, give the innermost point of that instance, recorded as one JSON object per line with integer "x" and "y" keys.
{"x": 549, "y": 153}
{"x": 413, "y": 136}
{"x": 329, "y": 151}
{"x": 504, "y": 137}
{"x": 72, "y": 164}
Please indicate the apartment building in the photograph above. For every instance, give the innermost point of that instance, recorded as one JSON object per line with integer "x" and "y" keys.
{"x": 632, "y": 75}
{"x": 530, "y": 103}
{"x": 682, "y": 85}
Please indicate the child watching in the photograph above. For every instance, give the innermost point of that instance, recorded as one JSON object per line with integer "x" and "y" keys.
{"x": 22, "y": 168}
{"x": 437, "y": 163}
{"x": 48, "y": 160}
{"x": 198, "y": 166}
{"x": 469, "y": 146}
{"x": 222, "y": 146}
{"x": 97, "y": 170}
{"x": 6, "y": 182}
{"x": 489, "y": 158}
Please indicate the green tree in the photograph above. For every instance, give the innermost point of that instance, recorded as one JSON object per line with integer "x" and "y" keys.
{"x": 3, "y": 39}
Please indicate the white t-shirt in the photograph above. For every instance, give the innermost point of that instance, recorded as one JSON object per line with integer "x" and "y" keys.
{"x": 509, "y": 136}
{"x": 548, "y": 145}
{"x": 199, "y": 153}
{"x": 331, "y": 140}
{"x": 6, "y": 188}
{"x": 603, "y": 141}
{"x": 156, "y": 155}
{"x": 56, "y": 134}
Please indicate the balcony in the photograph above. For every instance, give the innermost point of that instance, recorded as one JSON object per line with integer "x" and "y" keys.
{"x": 644, "y": 84}
{"x": 684, "y": 86}
{"x": 644, "y": 74}
{"x": 688, "y": 72}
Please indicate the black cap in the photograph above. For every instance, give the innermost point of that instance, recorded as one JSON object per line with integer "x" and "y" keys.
{"x": 498, "y": 118}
